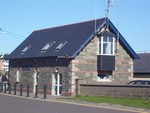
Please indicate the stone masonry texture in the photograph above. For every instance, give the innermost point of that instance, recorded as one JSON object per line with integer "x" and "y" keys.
{"x": 83, "y": 68}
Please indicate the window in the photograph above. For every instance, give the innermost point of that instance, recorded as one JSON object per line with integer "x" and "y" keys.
{"x": 104, "y": 75}
{"x": 106, "y": 45}
{"x": 60, "y": 46}
{"x": 25, "y": 49}
{"x": 47, "y": 46}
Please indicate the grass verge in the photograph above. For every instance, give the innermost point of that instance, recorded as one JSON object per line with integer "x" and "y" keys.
{"x": 132, "y": 102}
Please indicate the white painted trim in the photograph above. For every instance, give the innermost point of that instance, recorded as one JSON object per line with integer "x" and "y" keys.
{"x": 53, "y": 84}
{"x": 58, "y": 85}
{"x": 100, "y": 52}
{"x": 103, "y": 80}
{"x": 34, "y": 82}
{"x": 17, "y": 76}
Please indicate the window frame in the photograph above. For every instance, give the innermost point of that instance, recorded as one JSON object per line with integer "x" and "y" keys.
{"x": 101, "y": 43}
{"x": 25, "y": 49}
{"x": 47, "y": 46}
{"x": 60, "y": 46}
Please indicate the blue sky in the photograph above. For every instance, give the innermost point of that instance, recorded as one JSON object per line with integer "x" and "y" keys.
{"x": 19, "y": 18}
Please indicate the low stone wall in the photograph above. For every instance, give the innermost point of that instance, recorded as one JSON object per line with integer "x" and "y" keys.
{"x": 115, "y": 90}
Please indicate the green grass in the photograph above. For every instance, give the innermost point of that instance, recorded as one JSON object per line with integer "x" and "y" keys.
{"x": 140, "y": 103}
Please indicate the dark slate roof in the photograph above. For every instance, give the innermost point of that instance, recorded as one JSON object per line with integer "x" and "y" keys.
{"x": 142, "y": 65}
{"x": 76, "y": 37}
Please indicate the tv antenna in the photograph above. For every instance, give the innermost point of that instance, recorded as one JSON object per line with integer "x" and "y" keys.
{"x": 107, "y": 10}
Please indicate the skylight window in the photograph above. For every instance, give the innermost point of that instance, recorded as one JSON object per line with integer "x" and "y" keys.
{"x": 48, "y": 45}
{"x": 60, "y": 46}
{"x": 25, "y": 49}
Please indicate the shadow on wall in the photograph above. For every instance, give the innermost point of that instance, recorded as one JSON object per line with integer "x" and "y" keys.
{"x": 40, "y": 62}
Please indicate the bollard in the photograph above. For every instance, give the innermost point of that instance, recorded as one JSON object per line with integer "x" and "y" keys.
{"x": 21, "y": 89}
{"x": 45, "y": 91}
{"x": 36, "y": 91}
{"x": 15, "y": 88}
{"x": 28, "y": 90}
{"x": 4, "y": 87}
{"x": 9, "y": 89}
{"x": 1, "y": 87}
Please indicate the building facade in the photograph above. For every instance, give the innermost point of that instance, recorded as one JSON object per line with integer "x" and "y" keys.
{"x": 65, "y": 56}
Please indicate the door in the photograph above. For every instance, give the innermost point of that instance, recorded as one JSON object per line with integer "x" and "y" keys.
{"x": 56, "y": 83}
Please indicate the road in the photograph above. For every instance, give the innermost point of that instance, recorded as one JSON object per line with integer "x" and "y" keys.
{"x": 11, "y": 104}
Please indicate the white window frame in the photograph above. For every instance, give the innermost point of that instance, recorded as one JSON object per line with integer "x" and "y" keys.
{"x": 25, "y": 49}
{"x": 60, "y": 46}
{"x": 101, "y": 46}
{"x": 48, "y": 45}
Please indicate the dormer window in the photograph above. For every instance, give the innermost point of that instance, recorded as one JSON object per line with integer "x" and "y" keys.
{"x": 25, "y": 49}
{"x": 106, "y": 45}
{"x": 47, "y": 46}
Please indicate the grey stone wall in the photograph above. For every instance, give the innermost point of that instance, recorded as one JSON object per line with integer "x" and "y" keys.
{"x": 123, "y": 67}
{"x": 85, "y": 65}
{"x": 26, "y": 78}
{"x": 115, "y": 90}
{"x": 44, "y": 75}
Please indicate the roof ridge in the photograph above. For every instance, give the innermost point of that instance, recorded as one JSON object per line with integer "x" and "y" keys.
{"x": 70, "y": 24}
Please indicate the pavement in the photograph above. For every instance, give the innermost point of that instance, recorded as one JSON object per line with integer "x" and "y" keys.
{"x": 64, "y": 99}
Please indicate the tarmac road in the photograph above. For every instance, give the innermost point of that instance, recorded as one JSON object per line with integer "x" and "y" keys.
{"x": 13, "y": 104}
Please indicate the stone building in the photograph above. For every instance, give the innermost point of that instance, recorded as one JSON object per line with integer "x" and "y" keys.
{"x": 91, "y": 52}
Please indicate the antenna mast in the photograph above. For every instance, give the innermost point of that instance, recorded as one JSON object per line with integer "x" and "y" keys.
{"x": 95, "y": 14}
{"x": 107, "y": 10}
{"x": 117, "y": 39}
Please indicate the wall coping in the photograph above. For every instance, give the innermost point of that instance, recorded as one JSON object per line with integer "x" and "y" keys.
{"x": 97, "y": 85}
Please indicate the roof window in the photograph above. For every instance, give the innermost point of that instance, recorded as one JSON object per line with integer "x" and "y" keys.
{"x": 60, "y": 46}
{"x": 47, "y": 46}
{"x": 25, "y": 49}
